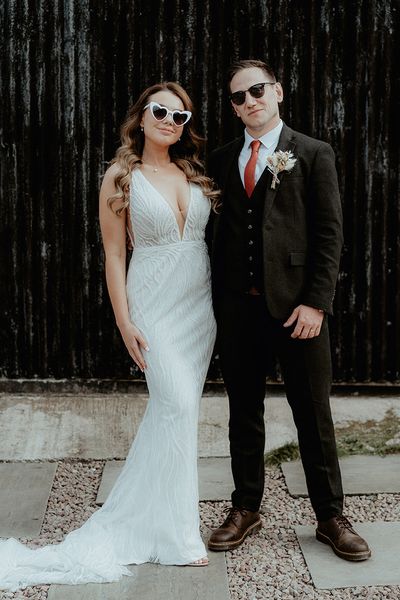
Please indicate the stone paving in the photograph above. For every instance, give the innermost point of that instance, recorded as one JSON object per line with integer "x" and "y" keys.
{"x": 328, "y": 571}
{"x": 360, "y": 474}
{"x": 215, "y": 479}
{"x": 24, "y": 492}
{"x": 156, "y": 582}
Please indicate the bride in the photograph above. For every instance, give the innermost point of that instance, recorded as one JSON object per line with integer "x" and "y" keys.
{"x": 156, "y": 189}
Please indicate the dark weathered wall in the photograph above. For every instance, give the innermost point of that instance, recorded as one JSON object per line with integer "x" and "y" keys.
{"x": 69, "y": 70}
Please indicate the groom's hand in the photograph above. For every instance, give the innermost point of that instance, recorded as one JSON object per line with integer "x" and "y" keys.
{"x": 309, "y": 321}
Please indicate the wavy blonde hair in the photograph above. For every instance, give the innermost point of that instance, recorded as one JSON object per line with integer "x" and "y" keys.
{"x": 185, "y": 153}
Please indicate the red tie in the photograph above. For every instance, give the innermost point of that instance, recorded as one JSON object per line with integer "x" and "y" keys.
{"x": 249, "y": 172}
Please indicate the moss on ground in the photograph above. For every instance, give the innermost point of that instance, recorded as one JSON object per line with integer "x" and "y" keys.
{"x": 370, "y": 437}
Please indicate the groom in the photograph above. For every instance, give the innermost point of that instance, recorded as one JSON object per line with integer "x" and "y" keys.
{"x": 275, "y": 257}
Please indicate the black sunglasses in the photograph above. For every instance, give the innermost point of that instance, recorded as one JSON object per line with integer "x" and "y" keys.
{"x": 257, "y": 91}
{"x": 159, "y": 112}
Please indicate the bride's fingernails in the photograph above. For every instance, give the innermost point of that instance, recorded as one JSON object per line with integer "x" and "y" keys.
{"x": 147, "y": 348}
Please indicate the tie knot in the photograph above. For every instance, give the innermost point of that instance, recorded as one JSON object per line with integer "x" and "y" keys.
{"x": 255, "y": 145}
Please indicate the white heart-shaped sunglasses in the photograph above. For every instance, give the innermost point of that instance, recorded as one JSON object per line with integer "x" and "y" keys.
{"x": 179, "y": 117}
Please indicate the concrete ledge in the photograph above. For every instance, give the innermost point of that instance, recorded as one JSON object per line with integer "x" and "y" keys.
{"x": 102, "y": 426}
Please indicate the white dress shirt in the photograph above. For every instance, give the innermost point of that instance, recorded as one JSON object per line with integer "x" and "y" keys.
{"x": 269, "y": 142}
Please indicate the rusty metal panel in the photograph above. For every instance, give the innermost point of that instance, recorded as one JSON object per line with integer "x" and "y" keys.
{"x": 70, "y": 68}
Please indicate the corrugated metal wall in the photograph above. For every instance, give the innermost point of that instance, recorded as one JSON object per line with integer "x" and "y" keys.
{"x": 69, "y": 70}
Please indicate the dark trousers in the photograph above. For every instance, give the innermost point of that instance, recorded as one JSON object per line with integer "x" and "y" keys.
{"x": 248, "y": 336}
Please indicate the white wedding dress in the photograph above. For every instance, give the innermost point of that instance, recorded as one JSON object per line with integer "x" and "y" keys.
{"x": 152, "y": 512}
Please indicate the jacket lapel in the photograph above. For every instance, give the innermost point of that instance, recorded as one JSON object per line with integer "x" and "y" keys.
{"x": 285, "y": 143}
{"x": 231, "y": 160}
{"x": 228, "y": 162}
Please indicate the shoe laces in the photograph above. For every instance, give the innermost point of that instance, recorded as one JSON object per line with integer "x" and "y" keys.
{"x": 343, "y": 522}
{"x": 233, "y": 512}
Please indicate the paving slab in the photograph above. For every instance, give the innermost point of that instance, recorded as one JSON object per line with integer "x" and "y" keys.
{"x": 360, "y": 474}
{"x": 24, "y": 492}
{"x": 156, "y": 582}
{"x": 329, "y": 571}
{"x": 215, "y": 479}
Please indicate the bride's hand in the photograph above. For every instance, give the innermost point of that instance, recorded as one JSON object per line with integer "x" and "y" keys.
{"x": 134, "y": 341}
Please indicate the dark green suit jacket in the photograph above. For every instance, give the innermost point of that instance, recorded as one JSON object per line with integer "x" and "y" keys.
{"x": 301, "y": 225}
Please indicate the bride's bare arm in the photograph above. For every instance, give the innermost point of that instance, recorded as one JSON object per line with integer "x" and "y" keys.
{"x": 113, "y": 231}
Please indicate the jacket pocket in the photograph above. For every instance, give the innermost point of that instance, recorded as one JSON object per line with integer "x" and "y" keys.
{"x": 297, "y": 259}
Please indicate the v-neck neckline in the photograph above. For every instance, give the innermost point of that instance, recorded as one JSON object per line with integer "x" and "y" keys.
{"x": 181, "y": 235}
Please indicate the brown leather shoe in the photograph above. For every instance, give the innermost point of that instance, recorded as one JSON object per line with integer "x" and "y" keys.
{"x": 239, "y": 523}
{"x": 340, "y": 535}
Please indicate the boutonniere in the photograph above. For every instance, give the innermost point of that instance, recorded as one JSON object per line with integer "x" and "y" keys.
{"x": 280, "y": 161}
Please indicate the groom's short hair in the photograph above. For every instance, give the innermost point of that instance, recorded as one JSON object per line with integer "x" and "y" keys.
{"x": 239, "y": 65}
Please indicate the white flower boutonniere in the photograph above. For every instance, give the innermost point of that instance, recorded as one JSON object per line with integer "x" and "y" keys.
{"x": 280, "y": 161}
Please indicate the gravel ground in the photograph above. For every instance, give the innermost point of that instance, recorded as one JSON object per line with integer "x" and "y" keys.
{"x": 269, "y": 565}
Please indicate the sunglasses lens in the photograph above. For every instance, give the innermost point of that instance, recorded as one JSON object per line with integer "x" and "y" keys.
{"x": 257, "y": 90}
{"x": 238, "y": 98}
{"x": 159, "y": 112}
{"x": 179, "y": 118}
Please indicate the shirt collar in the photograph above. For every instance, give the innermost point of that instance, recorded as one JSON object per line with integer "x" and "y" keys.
{"x": 269, "y": 139}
